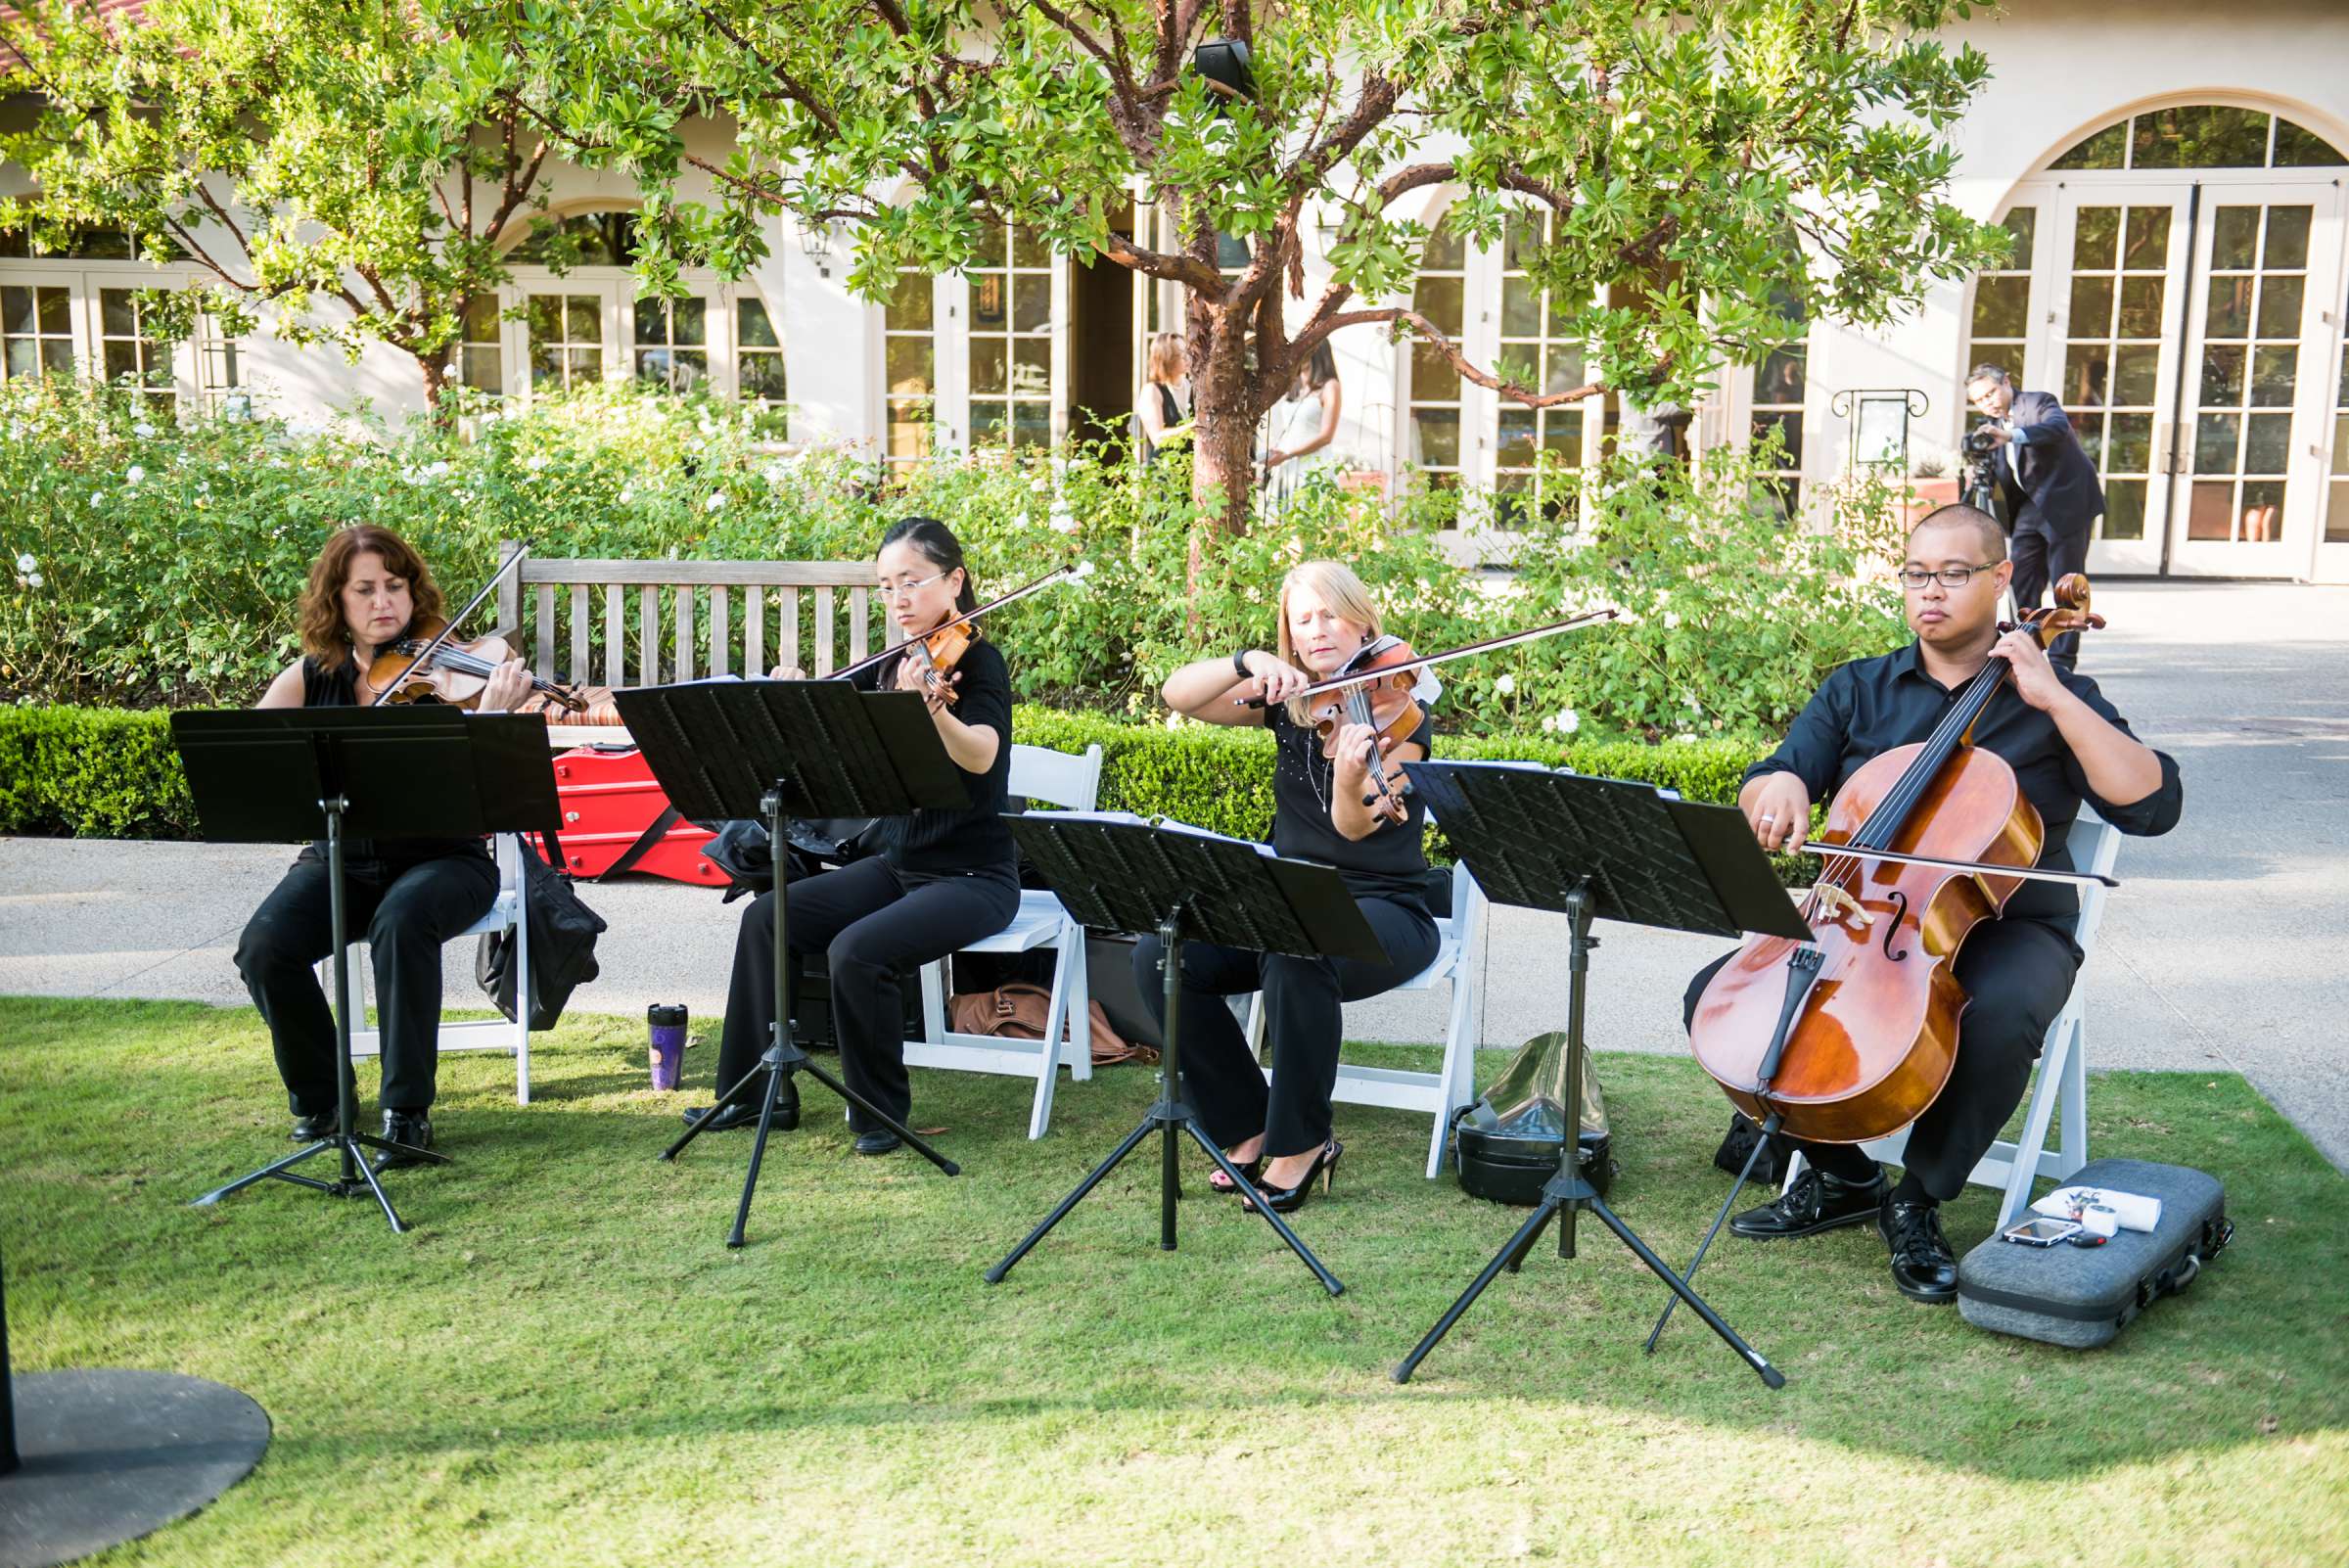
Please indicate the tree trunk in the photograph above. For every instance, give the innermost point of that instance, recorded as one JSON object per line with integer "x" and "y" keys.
{"x": 1224, "y": 420}
{"x": 436, "y": 384}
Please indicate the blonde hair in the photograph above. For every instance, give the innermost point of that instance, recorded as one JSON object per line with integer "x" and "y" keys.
{"x": 1167, "y": 360}
{"x": 1336, "y": 585}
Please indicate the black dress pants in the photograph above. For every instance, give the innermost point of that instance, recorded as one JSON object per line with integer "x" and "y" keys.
{"x": 1305, "y": 1021}
{"x": 406, "y": 912}
{"x": 871, "y": 921}
{"x": 2017, "y": 975}
{"x": 2043, "y": 554}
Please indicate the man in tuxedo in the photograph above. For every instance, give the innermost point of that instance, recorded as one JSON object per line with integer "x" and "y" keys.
{"x": 2049, "y": 486}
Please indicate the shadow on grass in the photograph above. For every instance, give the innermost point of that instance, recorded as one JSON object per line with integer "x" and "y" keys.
{"x": 561, "y": 1276}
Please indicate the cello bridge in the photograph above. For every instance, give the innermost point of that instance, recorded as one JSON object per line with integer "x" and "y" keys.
{"x": 1841, "y": 907}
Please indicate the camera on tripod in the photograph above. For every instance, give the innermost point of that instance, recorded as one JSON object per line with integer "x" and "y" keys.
{"x": 1982, "y": 441}
{"x": 1981, "y": 447}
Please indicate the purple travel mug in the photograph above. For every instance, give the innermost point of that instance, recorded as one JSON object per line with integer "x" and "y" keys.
{"x": 667, "y": 1023}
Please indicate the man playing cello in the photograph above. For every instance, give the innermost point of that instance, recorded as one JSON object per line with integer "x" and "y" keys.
{"x": 2066, "y": 745}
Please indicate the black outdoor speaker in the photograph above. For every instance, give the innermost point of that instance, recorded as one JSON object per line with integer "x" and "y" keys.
{"x": 1223, "y": 62}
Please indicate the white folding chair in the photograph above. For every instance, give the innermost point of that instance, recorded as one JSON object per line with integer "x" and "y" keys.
{"x": 1055, "y": 778}
{"x": 479, "y": 1034}
{"x": 1460, "y": 958}
{"x": 2063, "y": 1077}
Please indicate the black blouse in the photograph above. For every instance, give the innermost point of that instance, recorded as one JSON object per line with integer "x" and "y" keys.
{"x": 1391, "y": 863}
{"x": 340, "y": 688}
{"x": 974, "y": 839}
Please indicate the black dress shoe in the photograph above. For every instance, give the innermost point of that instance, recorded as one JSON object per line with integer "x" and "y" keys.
{"x": 1816, "y": 1202}
{"x": 737, "y": 1115}
{"x": 1922, "y": 1266}
{"x": 310, "y": 1129}
{"x": 413, "y": 1129}
{"x": 881, "y": 1140}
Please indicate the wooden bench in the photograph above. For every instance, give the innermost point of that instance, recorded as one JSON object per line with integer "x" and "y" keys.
{"x": 623, "y": 624}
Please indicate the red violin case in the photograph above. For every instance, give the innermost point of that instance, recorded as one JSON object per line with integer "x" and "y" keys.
{"x": 610, "y": 806}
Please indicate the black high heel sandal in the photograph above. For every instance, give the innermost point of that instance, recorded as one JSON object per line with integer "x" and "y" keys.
{"x": 1288, "y": 1200}
{"x": 1251, "y": 1169}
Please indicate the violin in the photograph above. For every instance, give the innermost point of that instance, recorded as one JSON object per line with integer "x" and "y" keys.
{"x": 425, "y": 666}
{"x": 935, "y": 652}
{"x": 1384, "y": 697}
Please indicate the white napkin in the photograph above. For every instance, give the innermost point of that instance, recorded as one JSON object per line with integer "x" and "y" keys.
{"x": 2136, "y": 1212}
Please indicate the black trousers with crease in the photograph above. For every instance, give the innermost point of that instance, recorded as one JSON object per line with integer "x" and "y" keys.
{"x": 406, "y": 912}
{"x": 871, "y": 920}
{"x": 1305, "y": 1021}
{"x": 2017, "y": 975}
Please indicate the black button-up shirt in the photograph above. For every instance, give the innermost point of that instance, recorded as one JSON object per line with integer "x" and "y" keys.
{"x": 1869, "y": 706}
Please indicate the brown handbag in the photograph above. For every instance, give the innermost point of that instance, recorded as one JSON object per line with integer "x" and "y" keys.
{"x": 1016, "y": 1011}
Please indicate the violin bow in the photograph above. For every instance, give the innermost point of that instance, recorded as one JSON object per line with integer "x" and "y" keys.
{"x": 424, "y": 659}
{"x": 1384, "y": 671}
{"x": 1071, "y": 572}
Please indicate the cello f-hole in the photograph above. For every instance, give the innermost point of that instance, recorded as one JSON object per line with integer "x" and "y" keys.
{"x": 1892, "y": 929}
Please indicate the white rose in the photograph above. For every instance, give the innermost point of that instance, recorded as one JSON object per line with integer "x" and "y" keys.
{"x": 717, "y": 499}
{"x": 1569, "y": 720}
{"x": 32, "y": 580}
{"x": 142, "y": 430}
{"x": 25, "y": 563}
{"x": 628, "y": 493}
{"x": 536, "y": 464}
{"x": 1506, "y": 685}
{"x": 1549, "y": 723}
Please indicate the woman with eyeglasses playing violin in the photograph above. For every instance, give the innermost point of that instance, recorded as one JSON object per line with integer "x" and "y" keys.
{"x": 1280, "y": 1137}
{"x": 407, "y": 895}
{"x": 943, "y": 879}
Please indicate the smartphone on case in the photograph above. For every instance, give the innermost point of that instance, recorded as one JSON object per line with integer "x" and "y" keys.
{"x": 2040, "y": 1232}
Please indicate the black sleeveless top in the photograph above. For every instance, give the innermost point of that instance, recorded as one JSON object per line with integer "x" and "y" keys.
{"x": 340, "y": 688}
{"x": 1389, "y": 864}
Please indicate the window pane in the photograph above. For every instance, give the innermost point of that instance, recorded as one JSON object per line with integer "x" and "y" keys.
{"x": 583, "y": 318}
{"x": 909, "y": 303}
{"x": 2267, "y": 443}
{"x": 1031, "y": 424}
{"x": 910, "y": 361}
{"x": 1032, "y": 302}
{"x": 988, "y": 366}
{"x": 55, "y": 307}
{"x": 2214, "y": 436}
{"x": 2023, "y": 224}
{"x": 652, "y": 321}
{"x": 986, "y": 423}
{"x": 2223, "y": 376}
{"x": 118, "y": 313}
{"x": 2280, "y": 302}
{"x": 480, "y": 318}
{"x": 16, "y": 309}
{"x": 2124, "y": 509}
{"x": 2096, "y": 239}
{"x": 1444, "y": 251}
{"x": 2141, "y": 307}
{"x": 2275, "y": 373}
{"x": 2105, "y": 150}
{"x": 2229, "y": 310}
{"x": 2299, "y": 148}
{"x": 763, "y": 377}
{"x": 2199, "y": 136}
{"x": 756, "y": 328}
{"x": 483, "y": 372}
{"x": 1032, "y": 366}
{"x": 1434, "y": 377}
{"x": 1515, "y": 445}
{"x": 2131, "y": 443}
{"x": 2087, "y": 372}
{"x": 2003, "y": 307}
{"x": 121, "y": 361}
{"x": 2210, "y": 509}
{"x": 2091, "y": 307}
{"x": 2234, "y": 238}
{"x": 1439, "y": 437}
{"x": 1520, "y": 308}
{"x": 1564, "y": 368}
{"x": 2149, "y": 239}
{"x": 1439, "y": 299}
{"x": 2287, "y": 238}
{"x": 2134, "y": 373}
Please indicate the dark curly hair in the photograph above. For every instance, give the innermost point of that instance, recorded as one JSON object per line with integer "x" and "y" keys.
{"x": 324, "y": 636}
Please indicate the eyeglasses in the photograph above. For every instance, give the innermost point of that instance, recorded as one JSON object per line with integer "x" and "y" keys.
{"x": 899, "y": 590}
{"x": 1956, "y": 576}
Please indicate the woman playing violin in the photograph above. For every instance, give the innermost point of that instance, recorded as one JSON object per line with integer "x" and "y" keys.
{"x": 1280, "y": 1137}
{"x": 2066, "y": 745}
{"x": 409, "y": 896}
{"x": 943, "y": 879}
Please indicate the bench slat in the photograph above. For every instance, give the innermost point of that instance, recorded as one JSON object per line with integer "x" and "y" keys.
{"x": 616, "y": 644}
{"x": 669, "y": 573}
{"x": 823, "y": 631}
{"x": 684, "y": 633}
{"x": 861, "y": 622}
{"x": 718, "y": 638}
{"x": 579, "y": 618}
{"x": 789, "y": 653}
{"x": 754, "y": 631}
{"x": 648, "y": 637}
{"x": 546, "y": 626}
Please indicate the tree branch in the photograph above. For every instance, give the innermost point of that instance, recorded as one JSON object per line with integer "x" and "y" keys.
{"x": 1313, "y": 336}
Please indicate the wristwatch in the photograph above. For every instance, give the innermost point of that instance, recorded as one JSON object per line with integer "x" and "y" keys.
{"x": 1239, "y": 662}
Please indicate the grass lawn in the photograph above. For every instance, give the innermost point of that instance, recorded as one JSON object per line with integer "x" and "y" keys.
{"x": 562, "y": 1363}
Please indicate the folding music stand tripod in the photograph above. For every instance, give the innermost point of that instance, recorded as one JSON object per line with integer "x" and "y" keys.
{"x": 289, "y": 774}
{"x": 779, "y": 749}
{"x": 1186, "y": 885}
{"x": 1592, "y": 848}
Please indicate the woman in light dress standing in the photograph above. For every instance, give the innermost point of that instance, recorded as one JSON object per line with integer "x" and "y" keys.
{"x": 1301, "y": 424}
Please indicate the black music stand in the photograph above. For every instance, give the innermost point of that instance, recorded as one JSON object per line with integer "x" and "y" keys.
{"x": 1592, "y": 848}
{"x": 1129, "y": 876}
{"x": 293, "y": 774}
{"x": 779, "y": 749}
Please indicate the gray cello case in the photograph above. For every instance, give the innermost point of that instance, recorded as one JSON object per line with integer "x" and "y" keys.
{"x": 2083, "y": 1297}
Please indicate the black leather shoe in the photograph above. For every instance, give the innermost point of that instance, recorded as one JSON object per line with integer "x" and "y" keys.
{"x": 1922, "y": 1264}
{"x": 310, "y": 1129}
{"x": 739, "y": 1115}
{"x": 1816, "y": 1202}
{"x": 411, "y": 1128}
{"x": 881, "y": 1140}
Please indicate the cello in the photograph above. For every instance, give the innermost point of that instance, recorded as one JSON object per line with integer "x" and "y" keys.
{"x": 1849, "y": 1036}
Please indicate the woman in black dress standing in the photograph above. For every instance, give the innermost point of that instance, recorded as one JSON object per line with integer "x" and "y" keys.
{"x": 1280, "y": 1137}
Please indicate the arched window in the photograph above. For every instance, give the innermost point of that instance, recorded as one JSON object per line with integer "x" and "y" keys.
{"x": 976, "y": 359}
{"x": 2202, "y": 136}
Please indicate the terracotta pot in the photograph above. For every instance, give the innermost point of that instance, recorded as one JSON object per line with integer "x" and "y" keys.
{"x": 1927, "y": 495}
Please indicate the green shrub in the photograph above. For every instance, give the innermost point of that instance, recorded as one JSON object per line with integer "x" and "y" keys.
{"x": 101, "y": 773}
{"x": 160, "y": 565}
{"x": 92, "y": 774}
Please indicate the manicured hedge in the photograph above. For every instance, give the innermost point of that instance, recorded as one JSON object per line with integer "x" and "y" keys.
{"x": 106, "y": 773}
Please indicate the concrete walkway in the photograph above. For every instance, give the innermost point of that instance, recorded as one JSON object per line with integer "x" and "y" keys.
{"x": 2223, "y": 948}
